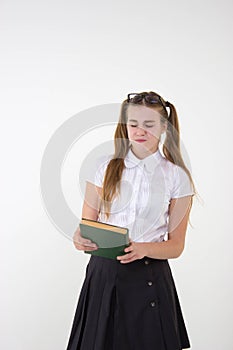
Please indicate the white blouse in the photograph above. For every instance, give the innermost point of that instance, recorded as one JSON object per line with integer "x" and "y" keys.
{"x": 147, "y": 186}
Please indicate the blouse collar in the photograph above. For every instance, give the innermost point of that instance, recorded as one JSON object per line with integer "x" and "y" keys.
{"x": 150, "y": 162}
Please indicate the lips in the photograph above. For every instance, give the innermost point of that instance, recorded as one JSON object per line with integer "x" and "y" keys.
{"x": 140, "y": 140}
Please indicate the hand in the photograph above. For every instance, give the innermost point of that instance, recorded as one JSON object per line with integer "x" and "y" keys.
{"x": 83, "y": 243}
{"x": 136, "y": 250}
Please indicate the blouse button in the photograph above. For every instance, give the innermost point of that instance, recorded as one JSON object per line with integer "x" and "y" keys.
{"x": 149, "y": 283}
{"x": 146, "y": 262}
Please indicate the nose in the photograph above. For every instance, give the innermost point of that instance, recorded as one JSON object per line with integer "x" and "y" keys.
{"x": 140, "y": 131}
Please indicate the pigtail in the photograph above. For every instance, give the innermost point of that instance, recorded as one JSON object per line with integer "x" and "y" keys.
{"x": 171, "y": 146}
{"x": 111, "y": 184}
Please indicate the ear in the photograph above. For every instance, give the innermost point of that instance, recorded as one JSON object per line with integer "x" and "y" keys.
{"x": 164, "y": 127}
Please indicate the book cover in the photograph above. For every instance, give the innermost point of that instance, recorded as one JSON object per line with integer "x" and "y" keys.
{"x": 110, "y": 239}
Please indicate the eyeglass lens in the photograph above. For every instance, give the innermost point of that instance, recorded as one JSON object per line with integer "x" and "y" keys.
{"x": 148, "y": 98}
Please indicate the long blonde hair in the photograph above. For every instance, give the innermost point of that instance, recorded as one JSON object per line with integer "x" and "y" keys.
{"x": 171, "y": 147}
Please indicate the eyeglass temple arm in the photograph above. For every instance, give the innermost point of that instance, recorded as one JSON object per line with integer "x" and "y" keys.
{"x": 132, "y": 93}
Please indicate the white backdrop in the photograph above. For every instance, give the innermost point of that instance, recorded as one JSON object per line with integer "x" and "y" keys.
{"x": 61, "y": 57}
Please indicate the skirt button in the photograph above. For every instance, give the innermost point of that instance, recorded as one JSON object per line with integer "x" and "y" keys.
{"x": 153, "y": 303}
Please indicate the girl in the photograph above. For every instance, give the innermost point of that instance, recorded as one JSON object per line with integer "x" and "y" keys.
{"x": 131, "y": 303}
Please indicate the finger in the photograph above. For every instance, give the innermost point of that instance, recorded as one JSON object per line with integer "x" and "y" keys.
{"x": 84, "y": 247}
{"x": 129, "y": 249}
{"x": 125, "y": 256}
{"x": 91, "y": 245}
{"x": 81, "y": 240}
{"x": 125, "y": 261}
{"x": 84, "y": 242}
{"x": 128, "y": 260}
{"x": 90, "y": 249}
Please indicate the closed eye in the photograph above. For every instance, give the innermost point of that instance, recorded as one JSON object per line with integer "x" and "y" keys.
{"x": 146, "y": 125}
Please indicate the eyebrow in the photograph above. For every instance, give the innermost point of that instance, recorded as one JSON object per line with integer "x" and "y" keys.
{"x": 145, "y": 121}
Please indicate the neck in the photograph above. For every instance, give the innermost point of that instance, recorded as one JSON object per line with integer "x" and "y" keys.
{"x": 142, "y": 152}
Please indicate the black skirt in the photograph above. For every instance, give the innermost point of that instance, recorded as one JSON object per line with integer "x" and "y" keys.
{"x": 131, "y": 306}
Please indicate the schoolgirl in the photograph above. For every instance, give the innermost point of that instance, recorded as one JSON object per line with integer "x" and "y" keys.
{"x": 131, "y": 303}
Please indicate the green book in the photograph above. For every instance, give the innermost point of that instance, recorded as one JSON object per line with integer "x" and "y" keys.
{"x": 110, "y": 239}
